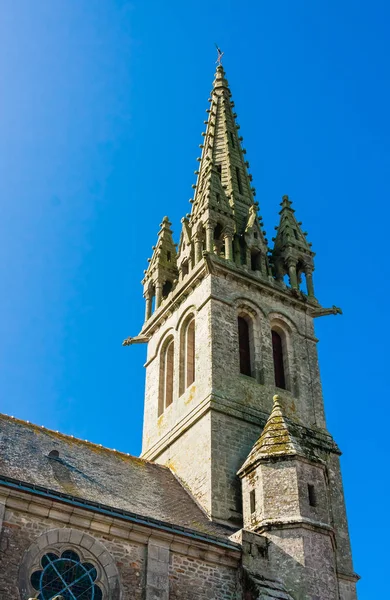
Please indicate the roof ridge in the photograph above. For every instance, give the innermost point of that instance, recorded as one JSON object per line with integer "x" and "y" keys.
{"x": 80, "y": 440}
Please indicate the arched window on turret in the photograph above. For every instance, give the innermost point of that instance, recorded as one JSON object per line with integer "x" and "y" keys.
{"x": 187, "y": 354}
{"x": 166, "y": 375}
{"x": 244, "y": 343}
{"x": 167, "y": 288}
{"x": 279, "y": 359}
{"x": 256, "y": 260}
{"x": 219, "y": 244}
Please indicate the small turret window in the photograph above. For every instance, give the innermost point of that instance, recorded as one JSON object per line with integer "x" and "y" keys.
{"x": 311, "y": 491}
{"x": 252, "y": 501}
{"x": 166, "y": 376}
{"x": 169, "y": 256}
{"x": 244, "y": 346}
{"x": 167, "y": 288}
{"x": 255, "y": 260}
{"x": 278, "y": 356}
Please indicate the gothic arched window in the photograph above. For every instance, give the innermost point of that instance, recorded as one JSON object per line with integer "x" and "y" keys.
{"x": 66, "y": 576}
{"x": 187, "y": 354}
{"x": 278, "y": 356}
{"x": 166, "y": 376}
{"x": 244, "y": 346}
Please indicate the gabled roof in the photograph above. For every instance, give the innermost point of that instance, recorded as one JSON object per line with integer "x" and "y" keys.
{"x": 91, "y": 473}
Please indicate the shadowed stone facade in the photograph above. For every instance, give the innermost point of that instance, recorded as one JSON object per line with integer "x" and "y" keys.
{"x": 238, "y": 492}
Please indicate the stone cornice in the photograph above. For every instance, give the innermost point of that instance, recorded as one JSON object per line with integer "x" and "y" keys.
{"x": 214, "y": 265}
{"x": 48, "y": 504}
{"x": 322, "y": 440}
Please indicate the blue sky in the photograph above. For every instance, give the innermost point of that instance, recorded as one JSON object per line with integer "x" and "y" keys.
{"x": 102, "y": 107}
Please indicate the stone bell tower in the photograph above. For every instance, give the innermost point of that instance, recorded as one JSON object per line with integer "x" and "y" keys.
{"x": 229, "y": 324}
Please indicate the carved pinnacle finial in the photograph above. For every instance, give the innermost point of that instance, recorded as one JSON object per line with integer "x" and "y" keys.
{"x": 276, "y": 400}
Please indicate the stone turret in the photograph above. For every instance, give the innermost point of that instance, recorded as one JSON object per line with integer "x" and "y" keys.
{"x": 162, "y": 273}
{"x": 285, "y": 498}
{"x": 292, "y": 254}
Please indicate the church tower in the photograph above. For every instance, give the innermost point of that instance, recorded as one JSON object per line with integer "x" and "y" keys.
{"x": 229, "y": 325}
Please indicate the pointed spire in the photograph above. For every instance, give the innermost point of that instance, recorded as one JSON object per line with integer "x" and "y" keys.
{"x": 164, "y": 252}
{"x": 292, "y": 253}
{"x": 223, "y": 185}
{"x": 275, "y": 440}
{"x": 161, "y": 273}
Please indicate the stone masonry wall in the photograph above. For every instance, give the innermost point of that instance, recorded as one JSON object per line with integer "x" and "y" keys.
{"x": 20, "y": 530}
{"x": 192, "y": 579}
{"x": 146, "y": 564}
{"x": 304, "y": 561}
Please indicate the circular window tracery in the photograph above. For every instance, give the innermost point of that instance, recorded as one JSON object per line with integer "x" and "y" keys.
{"x": 65, "y": 575}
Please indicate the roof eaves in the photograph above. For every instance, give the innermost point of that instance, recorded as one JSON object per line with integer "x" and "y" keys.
{"x": 114, "y": 512}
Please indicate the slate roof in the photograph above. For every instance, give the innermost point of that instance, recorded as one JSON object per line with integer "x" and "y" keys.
{"x": 96, "y": 474}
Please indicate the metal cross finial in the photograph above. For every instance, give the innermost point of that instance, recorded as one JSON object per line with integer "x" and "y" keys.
{"x": 220, "y": 54}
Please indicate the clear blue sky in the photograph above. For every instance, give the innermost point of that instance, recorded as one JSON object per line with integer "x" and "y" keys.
{"x": 102, "y": 107}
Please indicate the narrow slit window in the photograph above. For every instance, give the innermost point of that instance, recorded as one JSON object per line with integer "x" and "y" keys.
{"x": 277, "y": 347}
{"x": 311, "y": 491}
{"x": 244, "y": 346}
{"x": 219, "y": 171}
{"x": 238, "y": 176}
{"x": 252, "y": 501}
{"x": 232, "y": 139}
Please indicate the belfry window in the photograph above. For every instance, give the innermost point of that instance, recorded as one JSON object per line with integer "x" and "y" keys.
{"x": 66, "y": 576}
{"x": 244, "y": 346}
{"x": 166, "y": 377}
{"x": 187, "y": 355}
{"x": 278, "y": 356}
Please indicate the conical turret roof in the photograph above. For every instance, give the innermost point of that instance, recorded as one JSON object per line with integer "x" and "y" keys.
{"x": 275, "y": 440}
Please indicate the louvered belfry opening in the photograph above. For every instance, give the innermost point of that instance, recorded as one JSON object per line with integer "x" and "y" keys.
{"x": 277, "y": 347}
{"x": 244, "y": 346}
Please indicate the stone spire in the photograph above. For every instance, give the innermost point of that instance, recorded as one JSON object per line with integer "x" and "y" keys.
{"x": 292, "y": 253}
{"x": 224, "y": 218}
{"x": 162, "y": 270}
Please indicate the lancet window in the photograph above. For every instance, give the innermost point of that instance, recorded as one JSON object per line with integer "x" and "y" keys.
{"x": 279, "y": 360}
{"x": 166, "y": 376}
{"x": 244, "y": 343}
{"x": 187, "y": 354}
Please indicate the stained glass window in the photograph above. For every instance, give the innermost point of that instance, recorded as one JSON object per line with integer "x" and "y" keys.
{"x": 67, "y": 576}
